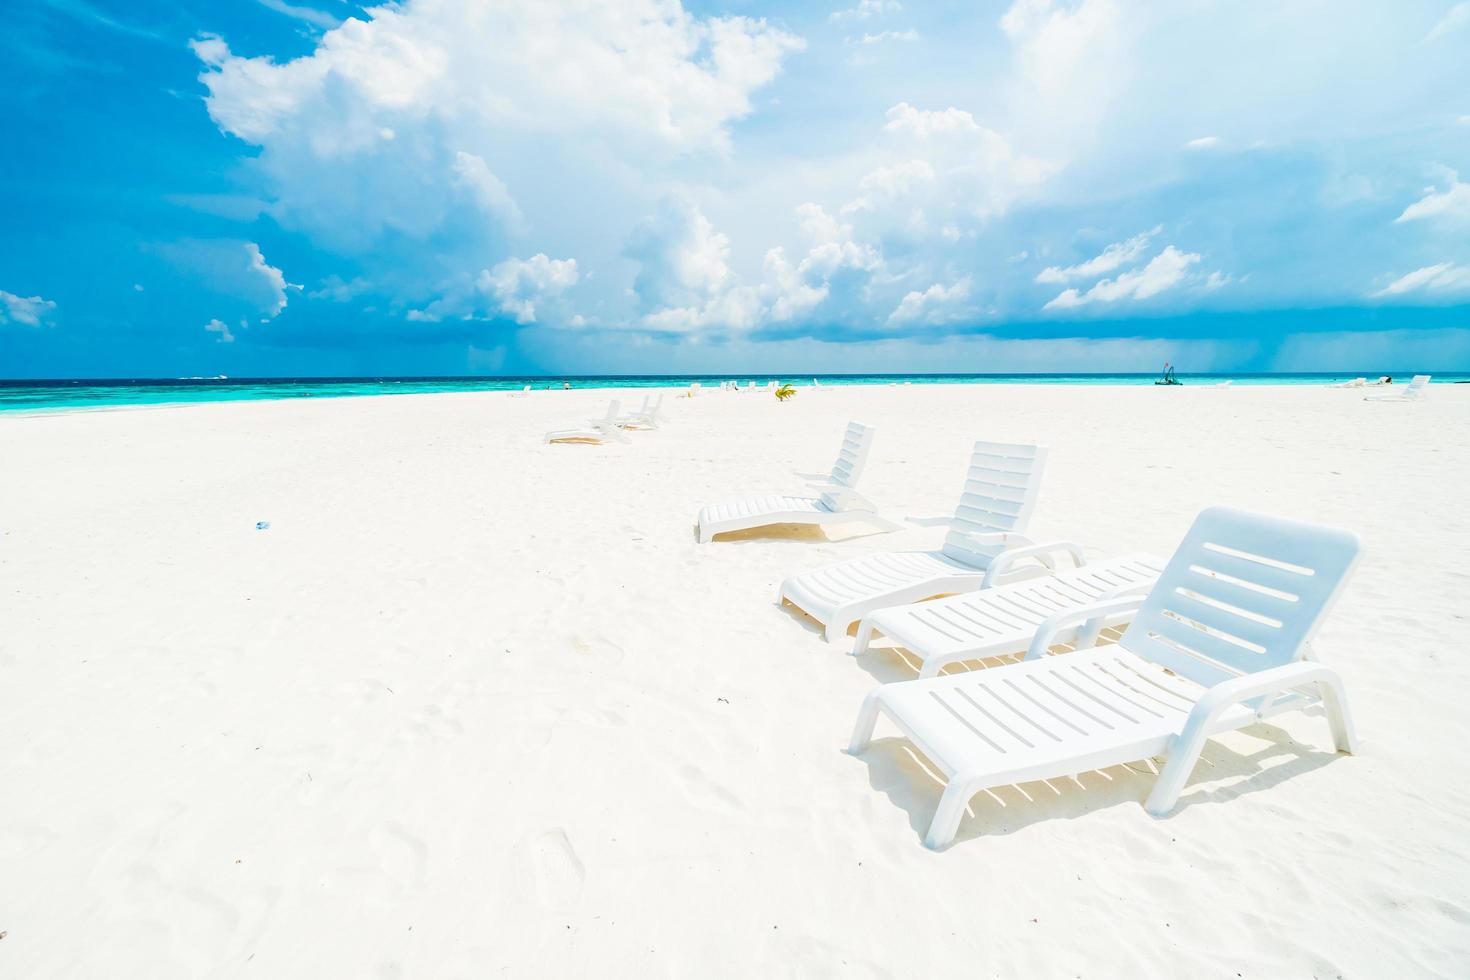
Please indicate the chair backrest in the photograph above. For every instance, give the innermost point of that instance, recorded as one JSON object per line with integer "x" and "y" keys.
{"x": 853, "y": 455}
{"x": 1417, "y": 384}
{"x": 999, "y": 495}
{"x": 1242, "y": 593}
{"x": 614, "y": 409}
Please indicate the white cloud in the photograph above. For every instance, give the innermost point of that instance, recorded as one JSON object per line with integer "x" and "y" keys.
{"x": 865, "y": 10}
{"x": 1164, "y": 271}
{"x": 937, "y": 304}
{"x": 274, "y": 279}
{"x": 922, "y": 123}
{"x": 221, "y": 328}
{"x": 1454, "y": 19}
{"x": 28, "y": 311}
{"x": 1203, "y": 143}
{"x": 1452, "y": 202}
{"x": 1113, "y": 257}
{"x": 317, "y": 18}
{"x": 1445, "y": 277}
{"x": 336, "y": 289}
{"x": 684, "y": 281}
{"x": 1072, "y": 59}
{"x": 519, "y": 284}
{"x": 486, "y": 189}
{"x": 881, "y": 36}
{"x": 636, "y": 66}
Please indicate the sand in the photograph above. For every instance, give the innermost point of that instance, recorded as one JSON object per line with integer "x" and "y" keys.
{"x": 476, "y": 706}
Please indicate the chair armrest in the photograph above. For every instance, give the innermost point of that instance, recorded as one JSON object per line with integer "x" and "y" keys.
{"x": 1259, "y": 686}
{"x": 1002, "y": 562}
{"x": 1092, "y": 615}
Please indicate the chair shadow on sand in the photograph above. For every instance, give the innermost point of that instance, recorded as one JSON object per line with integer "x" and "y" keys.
{"x": 801, "y": 533}
{"x": 898, "y": 771}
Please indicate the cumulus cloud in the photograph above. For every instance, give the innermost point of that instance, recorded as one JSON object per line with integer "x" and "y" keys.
{"x": 519, "y": 284}
{"x": 273, "y": 279}
{"x": 1164, "y": 271}
{"x": 1444, "y": 277}
{"x": 221, "y": 328}
{"x": 948, "y": 172}
{"x": 1113, "y": 257}
{"x": 937, "y": 304}
{"x": 487, "y": 190}
{"x": 684, "y": 279}
{"x": 1452, "y": 202}
{"x": 28, "y": 311}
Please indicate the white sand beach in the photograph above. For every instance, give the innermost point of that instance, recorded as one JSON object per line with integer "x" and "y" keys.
{"x": 477, "y": 706}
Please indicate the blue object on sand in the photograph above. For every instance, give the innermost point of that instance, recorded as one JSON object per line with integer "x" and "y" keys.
{"x": 262, "y": 525}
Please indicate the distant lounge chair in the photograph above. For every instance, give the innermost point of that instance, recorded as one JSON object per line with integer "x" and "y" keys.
{"x": 1354, "y": 383}
{"x": 1415, "y": 390}
{"x": 838, "y": 502}
{"x": 522, "y": 393}
{"x": 650, "y": 416}
{"x": 985, "y": 541}
{"x": 1382, "y": 380}
{"x": 605, "y": 429}
{"x": 1220, "y": 643}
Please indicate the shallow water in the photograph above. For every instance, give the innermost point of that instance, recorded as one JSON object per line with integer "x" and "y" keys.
{"x": 72, "y": 394}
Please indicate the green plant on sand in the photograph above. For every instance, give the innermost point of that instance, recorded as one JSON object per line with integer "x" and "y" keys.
{"x": 784, "y": 392}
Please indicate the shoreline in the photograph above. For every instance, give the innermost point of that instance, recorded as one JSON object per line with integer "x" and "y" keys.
{"x": 1205, "y": 382}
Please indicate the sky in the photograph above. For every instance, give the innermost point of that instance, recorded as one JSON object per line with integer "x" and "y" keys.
{"x": 446, "y": 187}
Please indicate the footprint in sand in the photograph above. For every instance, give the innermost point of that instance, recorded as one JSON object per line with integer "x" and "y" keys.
{"x": 402, "y": 856}
{"x": 556, "y": 870}
{"x": 431, "y": 721}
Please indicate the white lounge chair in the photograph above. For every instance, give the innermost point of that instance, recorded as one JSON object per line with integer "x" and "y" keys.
{"x": 1354, "y": 383}
{"x": 985, "y": 541}
{"x": 1413, "y": 391}
{"x": 1001, "y": 621}
{"x": 522, "y": 393}
{"x": 605, "y": 429}
{"x": 1219, "y": 644}
{"x": 650, "y": 416}
{"x": 838, "y": 502}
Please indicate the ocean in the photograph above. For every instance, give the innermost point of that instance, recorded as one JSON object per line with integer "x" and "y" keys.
{"x": 80, "y": 394}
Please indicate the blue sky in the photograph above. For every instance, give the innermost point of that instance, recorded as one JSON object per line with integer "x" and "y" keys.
{"x": 435, "y": 187}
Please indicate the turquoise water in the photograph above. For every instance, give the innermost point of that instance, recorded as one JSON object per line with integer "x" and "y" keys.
{"x": 67, "y": 395}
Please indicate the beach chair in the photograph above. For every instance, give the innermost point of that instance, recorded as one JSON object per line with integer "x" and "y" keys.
{"x": 522, "y": 393}
{"x": 605, "y": 429}
{"x": 986, "y": 541}
{"x": 1001, "y": 621}
{"x": 650, "y": 416}
{"x": 1413, "y": 391}
{"x": 837, "y": 503}
{"x": 1354, "y": 383}
{"x": 1222, "y": 642}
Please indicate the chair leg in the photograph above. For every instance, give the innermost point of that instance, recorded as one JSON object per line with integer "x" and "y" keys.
{"x": 864, "y": 638}
{"x": 867, "y": 720}
{"x": 1334, "y": 702}
{"x": 1181, "y": 762}
{"x": 951, "y": 811}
